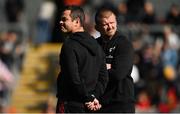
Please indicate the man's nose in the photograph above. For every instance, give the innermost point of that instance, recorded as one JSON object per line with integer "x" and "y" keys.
{"x": 109, "y": 26}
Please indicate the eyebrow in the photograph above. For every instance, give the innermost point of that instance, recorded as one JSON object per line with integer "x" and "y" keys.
{"x": 63, "y": 18}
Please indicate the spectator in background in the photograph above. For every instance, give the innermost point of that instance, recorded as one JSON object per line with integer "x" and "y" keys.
{"x": 14, "y": 10}
{"x": 44, "y": 22}
{"x": 2, "y": 13}
{"x": 173, "y": 16}
{"x": 12, "y": 50}
{"x": 135, "y": 9}
{"x": 149, "y": 71}
{"x": 170, "y": 54}
{"x": 171, "y": 47}
{"x": 6, "y": 84}
{"x": 7, "y": 49}
{"x": 143, "y": 104}
{"x": 122, "y": 9}
{"x": 149, "y": 16}
{"x": 119, "y": 94}
{"x": 17, "y": 27}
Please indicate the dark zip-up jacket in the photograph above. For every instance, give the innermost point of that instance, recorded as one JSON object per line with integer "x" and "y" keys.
{"x": 119, "y": 53}
{"x": 83, "y": 71}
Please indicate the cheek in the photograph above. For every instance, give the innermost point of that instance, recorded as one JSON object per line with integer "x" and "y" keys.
{"x": 115, "y": 25}
{"x": 104, "y": 28}
{"x": 68, "y": 25}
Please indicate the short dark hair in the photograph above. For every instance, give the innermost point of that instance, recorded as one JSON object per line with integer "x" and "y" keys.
{"x": 104, "y": 8}
{"x": 76, "y": 12}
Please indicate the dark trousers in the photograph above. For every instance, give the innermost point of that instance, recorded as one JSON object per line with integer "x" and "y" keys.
{"x": 70, "y": 107}
{"x": 118, "y": 108}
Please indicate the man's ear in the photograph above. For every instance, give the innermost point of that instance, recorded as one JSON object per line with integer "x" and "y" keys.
{"x": 77, "y": 20}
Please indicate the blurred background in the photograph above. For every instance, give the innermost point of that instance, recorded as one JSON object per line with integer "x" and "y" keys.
{"x": 30, "y": 43}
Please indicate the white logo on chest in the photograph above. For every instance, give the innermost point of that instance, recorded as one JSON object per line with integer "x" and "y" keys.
{"x": 111, "y": 49}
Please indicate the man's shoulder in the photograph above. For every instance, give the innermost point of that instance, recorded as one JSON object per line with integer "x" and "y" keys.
{"x": 70, "y": 41}
{"x": 118, "y": 35}
{"x": 122, "y": 39}
{"x": 69, "y": 44}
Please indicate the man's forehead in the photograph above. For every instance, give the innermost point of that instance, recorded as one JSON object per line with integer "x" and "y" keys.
{"x": 106, "y": 14}
{"x": 109, "y": 17}
{"x": 66, "y": 12}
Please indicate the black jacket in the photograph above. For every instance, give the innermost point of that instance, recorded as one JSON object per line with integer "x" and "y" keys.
{"x": 83, "y": 71}
{"x": 119, "y": 53}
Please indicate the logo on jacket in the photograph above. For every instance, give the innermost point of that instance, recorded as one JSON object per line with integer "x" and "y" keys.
{"x": 111, "y": 49}
{"x": 109, "y": 57}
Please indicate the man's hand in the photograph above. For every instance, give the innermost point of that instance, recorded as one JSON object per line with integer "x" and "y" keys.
{"x": 94, "y": 105}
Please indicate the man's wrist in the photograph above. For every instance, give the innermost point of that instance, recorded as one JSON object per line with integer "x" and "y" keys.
{"x": 92, "y": 97}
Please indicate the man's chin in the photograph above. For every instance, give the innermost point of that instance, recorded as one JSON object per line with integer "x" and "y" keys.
{"x": 64, "y": 30}
{"x": 111, "y": 33}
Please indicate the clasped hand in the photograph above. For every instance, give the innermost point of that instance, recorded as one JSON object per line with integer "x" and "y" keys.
{"x": 94, "y": 105}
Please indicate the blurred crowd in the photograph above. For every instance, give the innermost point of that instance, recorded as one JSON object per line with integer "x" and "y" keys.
{"x": 156, "y": 70}
{"x": 12, "y": 47}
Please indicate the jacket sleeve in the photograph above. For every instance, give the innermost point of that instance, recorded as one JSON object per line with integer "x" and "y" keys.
{"x": 103, "y": 77}
{"x": 72, "y": 68}
{"x": 122, "y": 62}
